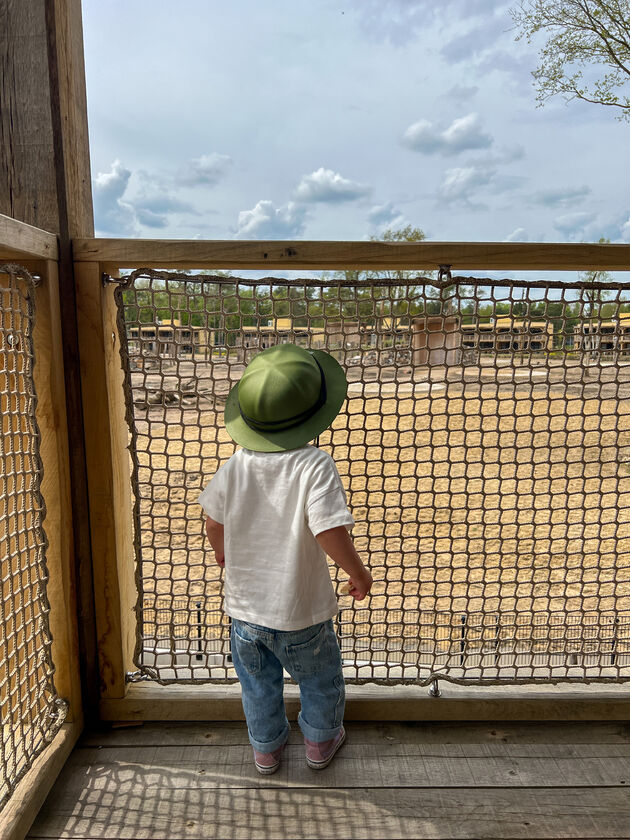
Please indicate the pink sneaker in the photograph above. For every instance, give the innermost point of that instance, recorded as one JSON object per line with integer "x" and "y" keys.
{"x": 319, "y": 755}
{"x": 268, "y": 763}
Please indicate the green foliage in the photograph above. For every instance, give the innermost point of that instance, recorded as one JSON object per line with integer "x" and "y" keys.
{"x": 587, "y": 52}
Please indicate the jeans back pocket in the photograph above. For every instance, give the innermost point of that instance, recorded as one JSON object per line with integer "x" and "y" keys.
{"x": 313, "y": 655}
{"x": 245, "y": 651}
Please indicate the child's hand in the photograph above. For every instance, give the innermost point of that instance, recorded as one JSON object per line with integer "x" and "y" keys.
{"x": 358, "y": 587}
{"x": 220, "y": 560}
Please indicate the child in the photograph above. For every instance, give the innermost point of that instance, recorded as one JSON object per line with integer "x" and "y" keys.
{"x": 274, "y": 511}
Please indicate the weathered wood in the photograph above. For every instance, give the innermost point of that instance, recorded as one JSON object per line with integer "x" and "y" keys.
{"x": 162, "y": 805}
{"x": 68, "y": 117}
{"x": 108, "y": 469}
{"x": 28, "y": 188}
{"x": 235, "y": 254}
{"x": 29, "y": 796}
{"x": 195, "y": 734}
{"x": 384, "y": 765}
{"x": 51, "y": 419}
{"x": 18, "y": 240}
{"x": 145, "y": 701}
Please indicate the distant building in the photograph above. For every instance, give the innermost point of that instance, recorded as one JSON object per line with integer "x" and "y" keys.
{"x": 251, "y": 340}
{"x": 507, "y": 335}
{"x": 595, "y": 336}
{"x": 168, "y": 338}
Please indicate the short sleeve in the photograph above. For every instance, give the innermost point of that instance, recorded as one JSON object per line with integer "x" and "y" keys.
{"x": 212, "y": 498}
{"x": 325, "y": 504}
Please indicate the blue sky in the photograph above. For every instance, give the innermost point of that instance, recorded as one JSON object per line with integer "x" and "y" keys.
{"x": 314, "y": 119}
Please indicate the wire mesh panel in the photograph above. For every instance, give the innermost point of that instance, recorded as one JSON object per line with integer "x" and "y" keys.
{"x": 30, "y": 710}
{"x": 484, "y": 447}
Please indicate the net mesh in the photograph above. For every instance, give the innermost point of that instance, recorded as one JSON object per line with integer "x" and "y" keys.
{"x": 484, "y": 448}
{"x": 30, "y": 710}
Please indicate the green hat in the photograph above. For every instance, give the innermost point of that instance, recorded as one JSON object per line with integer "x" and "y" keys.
{"x": 285, "y": 398}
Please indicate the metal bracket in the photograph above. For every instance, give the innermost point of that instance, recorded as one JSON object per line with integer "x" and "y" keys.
{"x": 136, "y": 676}
{"x": 434, "y": 689}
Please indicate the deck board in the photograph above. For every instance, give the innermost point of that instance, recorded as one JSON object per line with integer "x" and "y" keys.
{"x": 171, "y": 781}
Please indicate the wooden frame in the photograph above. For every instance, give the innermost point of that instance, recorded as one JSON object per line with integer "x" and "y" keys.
{"x": 20, "y": 241}
{"x": 235, "y": 254}
{"x": 31, "y": 792}
{"x": 113, "y": 575}
{"x": 108, "y": 474}
{"x": 146, "y": 701}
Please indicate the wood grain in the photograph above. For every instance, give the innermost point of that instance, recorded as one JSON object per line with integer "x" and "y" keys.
{"x": 234, "y": 254}
{"x": 108, "y": 473}
{"x": 145, "y": 701}
{"x": 18, "y": 240}
{"x": 55, "y": 487}
{"x": 375, "y": 787}
{"x": 31, "y": 792}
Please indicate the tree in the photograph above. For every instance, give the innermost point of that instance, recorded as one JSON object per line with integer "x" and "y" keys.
{"x": 587, "y": 52}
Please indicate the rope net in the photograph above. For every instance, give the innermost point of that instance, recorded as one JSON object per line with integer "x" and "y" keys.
{"x": 484, "y": 448}
{"x": 30, "y": 709}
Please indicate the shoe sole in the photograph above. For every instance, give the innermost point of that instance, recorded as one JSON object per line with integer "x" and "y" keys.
{"x": 319, "y": 765}
{"x": 267, "y": 771}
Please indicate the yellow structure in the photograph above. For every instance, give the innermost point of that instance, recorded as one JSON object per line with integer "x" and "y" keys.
{"x": 612, "y": 336}
{"x": 507, "y": 335}
{"x": 168, "y": 338}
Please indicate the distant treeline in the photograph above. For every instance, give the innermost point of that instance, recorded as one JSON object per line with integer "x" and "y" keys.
{"x": 228, "y": 306}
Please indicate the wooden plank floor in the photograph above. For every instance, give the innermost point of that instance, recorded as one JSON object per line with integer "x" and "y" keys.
{"x": 170, "y": 781}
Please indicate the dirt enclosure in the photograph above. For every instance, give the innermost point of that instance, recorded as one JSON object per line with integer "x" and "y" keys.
{"x": 494, "y": 496}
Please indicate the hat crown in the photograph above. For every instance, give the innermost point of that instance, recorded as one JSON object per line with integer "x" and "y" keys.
{"x": 279, "y": 383}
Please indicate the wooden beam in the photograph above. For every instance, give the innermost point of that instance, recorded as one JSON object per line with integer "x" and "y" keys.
{"x": 235, "y": 254}
{"x": 51, "y": 418}
{"x": 109, "y": 479}
{"x": 20, "y": 811}
{"x": 19, "y": 240}
{"x": 146, "y": 701}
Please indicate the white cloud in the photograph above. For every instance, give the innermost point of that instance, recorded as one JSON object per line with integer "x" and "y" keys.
{"x": 382, "y": 216}
{"x": 573, "y": 225}
{"x": 118, "y": 213}
{"x": 112, "y": 215}
{"x": 463, "y": 134}
{"x": 265, "y": 221}
{"x": 561, "y": 197}
{"x": 328, "y": 186}
{"x": 625, "y": 231}
{"x": 461, "y": 93}
{"x": 460, "y": 183}
{"x": 518, "y": 235}
{"x": 401, "y": 21}
{"x": 206, "y": 170}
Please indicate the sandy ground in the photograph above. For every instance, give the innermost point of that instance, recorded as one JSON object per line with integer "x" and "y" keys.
{"x": 501, "y": 494}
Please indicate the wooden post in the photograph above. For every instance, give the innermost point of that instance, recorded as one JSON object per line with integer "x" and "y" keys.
{"x": 108, "y": 466}
{"x": 45, "y": 181}
{"x": 55, "y": 487}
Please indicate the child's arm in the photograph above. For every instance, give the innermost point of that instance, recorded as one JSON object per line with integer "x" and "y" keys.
{"x": 338, "y": 545}
{"x": 214, "y": 530}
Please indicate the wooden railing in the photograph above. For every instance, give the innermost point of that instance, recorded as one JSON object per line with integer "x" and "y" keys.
{"x": 107, "y": 464}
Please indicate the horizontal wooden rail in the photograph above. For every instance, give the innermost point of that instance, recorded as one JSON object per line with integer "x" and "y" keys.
{"x": 238, "y": 254}
{"x": 148, "y": 701}
{"x": 18, "y": 240}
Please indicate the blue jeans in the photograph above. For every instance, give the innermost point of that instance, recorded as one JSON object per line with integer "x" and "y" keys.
{"x": 312, "y": 657}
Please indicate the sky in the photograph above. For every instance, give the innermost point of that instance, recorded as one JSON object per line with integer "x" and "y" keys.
{"x": 318, "y": 119}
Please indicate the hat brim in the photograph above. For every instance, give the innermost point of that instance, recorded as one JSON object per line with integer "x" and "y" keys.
{"x": 293, "y": 438}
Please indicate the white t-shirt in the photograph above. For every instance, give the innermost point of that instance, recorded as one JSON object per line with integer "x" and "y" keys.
{"x": 272, "y": 506}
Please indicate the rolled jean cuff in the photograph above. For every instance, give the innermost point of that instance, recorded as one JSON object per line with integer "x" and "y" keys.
{"x": 270, "y": 746}
{"x": 317, "y": 735}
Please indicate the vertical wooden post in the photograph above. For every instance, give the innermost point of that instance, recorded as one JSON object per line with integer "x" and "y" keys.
{"x": 51, "y": 419}
{"x": 108, "y": 467}
{"x": 45, "y": 181}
